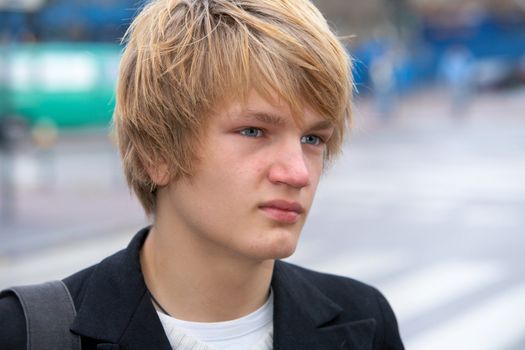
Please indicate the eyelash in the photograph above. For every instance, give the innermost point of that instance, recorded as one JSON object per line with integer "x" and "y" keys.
{"x": 260, "y": 132}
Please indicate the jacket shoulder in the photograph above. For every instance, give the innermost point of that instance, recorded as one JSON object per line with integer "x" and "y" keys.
{"x": 77, "y": 282}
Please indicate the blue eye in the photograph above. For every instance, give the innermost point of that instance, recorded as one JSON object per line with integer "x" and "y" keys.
{"x": 311, "y": 140}
{"x": 251, "y": 132}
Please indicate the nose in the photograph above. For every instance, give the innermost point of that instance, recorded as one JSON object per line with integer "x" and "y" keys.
{"x": 290, "y": 168}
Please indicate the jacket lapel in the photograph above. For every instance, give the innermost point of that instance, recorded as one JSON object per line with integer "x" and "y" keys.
{"x": 116, "y": 309}
{"x": 306, "y": 319}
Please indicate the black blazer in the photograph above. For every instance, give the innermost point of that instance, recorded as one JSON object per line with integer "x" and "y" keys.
{"x": 312, "y": 311}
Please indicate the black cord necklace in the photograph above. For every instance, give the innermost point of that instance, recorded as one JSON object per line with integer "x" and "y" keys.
{"x": 158, "y": 304}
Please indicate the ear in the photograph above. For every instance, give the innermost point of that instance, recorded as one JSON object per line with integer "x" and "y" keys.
{"x": 159, "y": 174}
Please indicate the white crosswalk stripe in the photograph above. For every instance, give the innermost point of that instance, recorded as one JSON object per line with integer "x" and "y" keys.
{"x": 59, "y": 262}
{"x": 495, "y": 325}
{"x": 363, "y": 265}
{"x": 433, "y": 286}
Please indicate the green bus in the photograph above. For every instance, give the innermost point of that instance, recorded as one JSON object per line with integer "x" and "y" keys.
{"x": 70, "y": 84}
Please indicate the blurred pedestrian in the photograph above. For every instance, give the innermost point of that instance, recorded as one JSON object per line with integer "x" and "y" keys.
{"x": 382, "y": 75}
{"x": 456, "y": 68}
{"x": 226, "y": 114}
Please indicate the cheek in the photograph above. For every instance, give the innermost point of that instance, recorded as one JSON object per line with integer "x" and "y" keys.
{"x": 316, "y": 167}
{"x": 259, "y": 167}
{"x": 316, "y": 177}
{"x": 248, "y": 168}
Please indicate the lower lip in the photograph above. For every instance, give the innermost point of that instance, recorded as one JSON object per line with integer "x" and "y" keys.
{"x": 281, "y": 215}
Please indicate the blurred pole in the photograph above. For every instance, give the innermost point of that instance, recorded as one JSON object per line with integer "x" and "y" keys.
{"x": 7, "y": 190}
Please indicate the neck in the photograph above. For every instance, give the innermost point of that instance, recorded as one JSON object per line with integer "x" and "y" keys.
{"x": 194, "y": 282}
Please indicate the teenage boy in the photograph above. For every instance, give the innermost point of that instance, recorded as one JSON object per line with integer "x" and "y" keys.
{"x": 227, "y": 113}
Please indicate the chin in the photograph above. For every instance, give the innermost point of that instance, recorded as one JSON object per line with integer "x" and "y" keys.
{"x": 285, "y": 251}
{"x": 280, "y": 248}
{"x": 272, "y": 255}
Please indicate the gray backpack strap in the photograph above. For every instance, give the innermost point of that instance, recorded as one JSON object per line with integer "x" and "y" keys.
{"x": 49, "y": 312}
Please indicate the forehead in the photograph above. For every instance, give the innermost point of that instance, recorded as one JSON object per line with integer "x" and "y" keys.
{"x": 270, "y": 110}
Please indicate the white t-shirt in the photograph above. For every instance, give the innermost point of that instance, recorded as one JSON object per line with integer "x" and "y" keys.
{"x": 250, "y": 332}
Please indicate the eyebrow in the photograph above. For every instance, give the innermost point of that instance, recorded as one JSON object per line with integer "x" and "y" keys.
{"x": 275, "y": 119}
{"x": 266, "y": 118}
{"x": 323, "y": 125}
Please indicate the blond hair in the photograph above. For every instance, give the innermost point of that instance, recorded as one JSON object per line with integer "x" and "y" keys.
{"x": 185, "y": 57}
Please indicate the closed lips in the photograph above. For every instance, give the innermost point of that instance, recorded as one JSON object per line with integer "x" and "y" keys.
{"x": 283, "y": 205}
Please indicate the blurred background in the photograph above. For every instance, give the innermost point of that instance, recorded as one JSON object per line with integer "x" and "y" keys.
{"x": 427, "y": 202}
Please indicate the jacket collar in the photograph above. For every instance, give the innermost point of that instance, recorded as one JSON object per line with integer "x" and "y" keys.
{"x": 116, "y": 309}
{"x": 305, "y": 318}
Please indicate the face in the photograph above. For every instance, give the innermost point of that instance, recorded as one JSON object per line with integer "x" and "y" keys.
{"x": 254, "y": 181}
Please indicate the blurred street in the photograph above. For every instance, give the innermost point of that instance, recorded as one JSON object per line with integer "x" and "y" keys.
{"x": 428, "y": 206}
{"x": 75, "y": 189}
